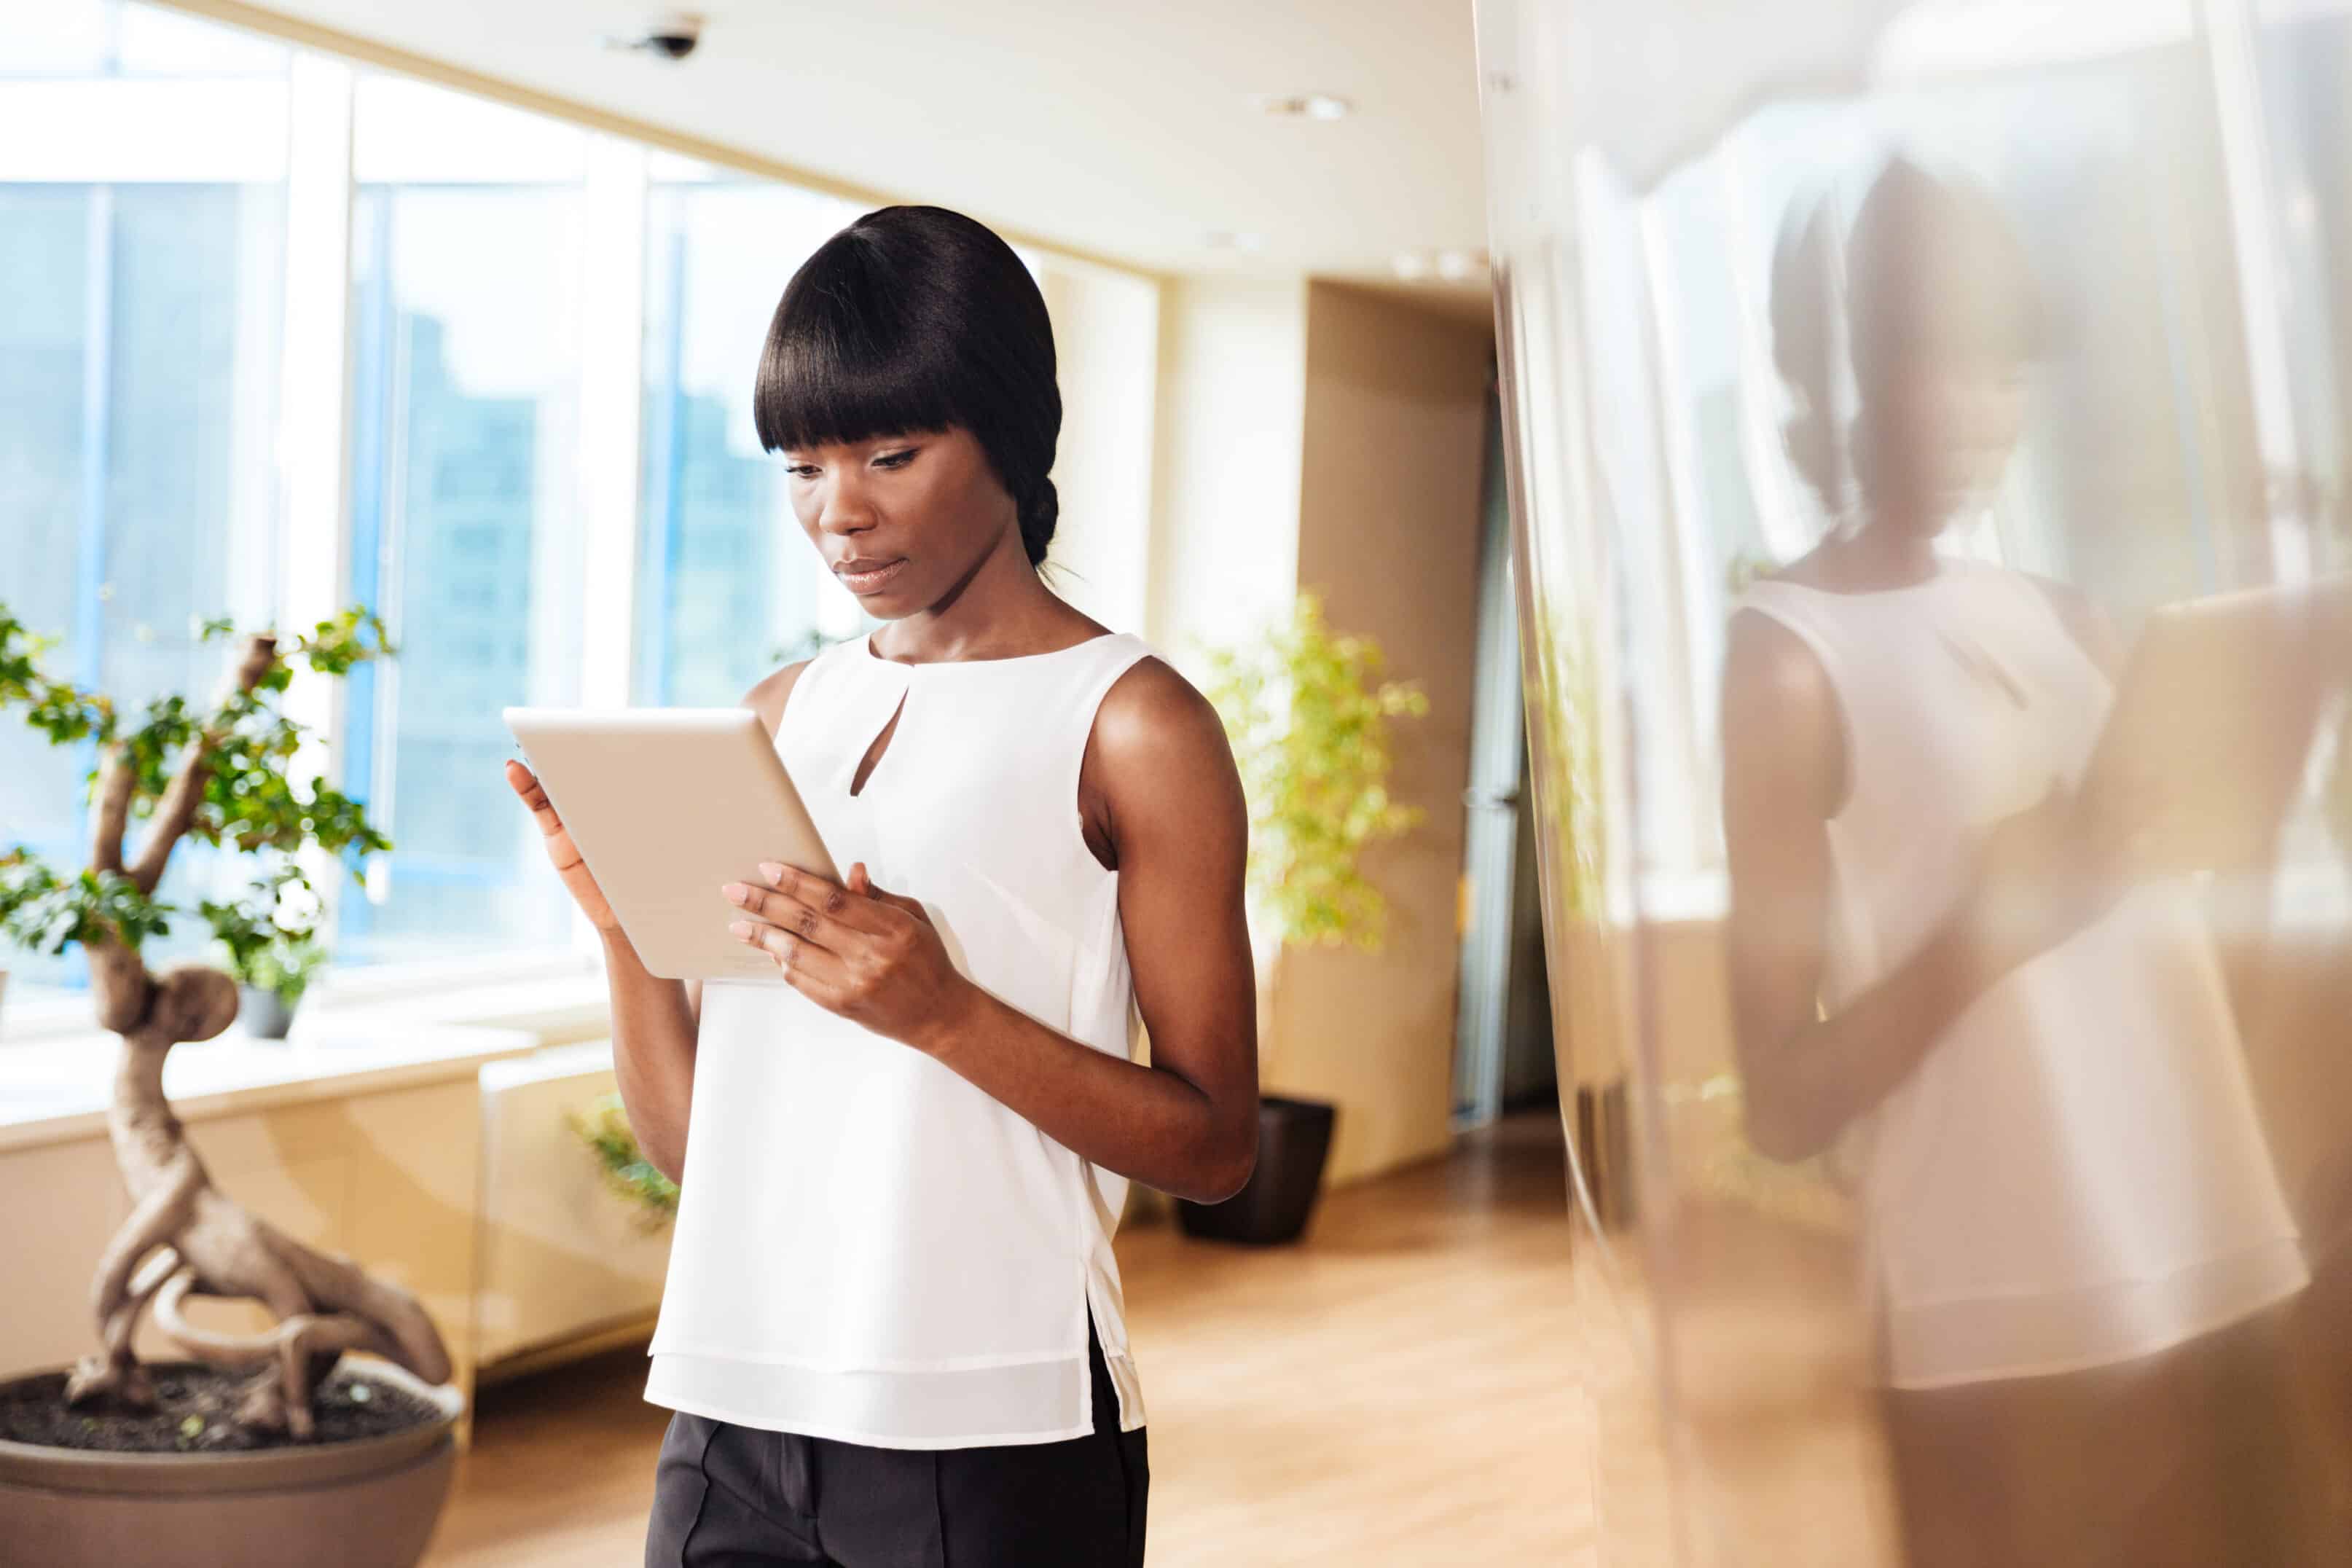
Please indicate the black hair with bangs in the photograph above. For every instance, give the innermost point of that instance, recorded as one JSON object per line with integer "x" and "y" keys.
{"x": 916, "y": 319}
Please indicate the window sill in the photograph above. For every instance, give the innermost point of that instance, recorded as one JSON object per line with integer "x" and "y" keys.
{"x": 560, "y": 988}
{"x": 59, "y": 1096}
{"x": 372, "y": 1032}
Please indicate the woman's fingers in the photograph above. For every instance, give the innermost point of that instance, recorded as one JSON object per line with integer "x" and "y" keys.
{"x": 534, "y": 795}
{"x": 778, "y": 910}
{"x": 525, "y": 784}
{"x": 805, "y": 963}
{"x": 862, "y": 882}
{"x": 562, "y": 852}
{"x": 828, "y": 898}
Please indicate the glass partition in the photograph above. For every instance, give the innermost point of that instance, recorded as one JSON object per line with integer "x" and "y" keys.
{"x": 1927, "y": 452}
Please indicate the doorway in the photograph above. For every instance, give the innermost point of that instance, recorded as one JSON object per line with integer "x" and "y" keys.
{"x": 1502, "y": 1033}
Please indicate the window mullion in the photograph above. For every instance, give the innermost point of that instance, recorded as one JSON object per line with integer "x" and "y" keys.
{"x": 314, "y": 396}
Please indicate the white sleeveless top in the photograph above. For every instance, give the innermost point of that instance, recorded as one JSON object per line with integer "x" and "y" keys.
{"x": 2075, "y": 1174}
{"x": 867, "y": 1247}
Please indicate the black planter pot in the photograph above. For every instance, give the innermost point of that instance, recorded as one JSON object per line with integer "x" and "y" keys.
{"x": 1294, "y": 1139}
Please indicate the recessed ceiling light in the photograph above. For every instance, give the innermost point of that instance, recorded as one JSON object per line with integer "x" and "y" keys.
{"x": 1306, "y": 106}
{"x": 1247, "y": 240}
{"x": 1453, "y": 266}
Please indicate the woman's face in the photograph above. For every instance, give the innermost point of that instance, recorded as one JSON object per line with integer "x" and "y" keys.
{"x": 1945, "y": 425}
{"x": 902, "y": 520}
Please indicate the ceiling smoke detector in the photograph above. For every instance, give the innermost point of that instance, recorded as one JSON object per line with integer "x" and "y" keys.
{"x": 1306, "y": 106}
{"x": 673, "y": 36}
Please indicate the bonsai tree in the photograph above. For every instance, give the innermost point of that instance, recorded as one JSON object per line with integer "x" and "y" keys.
{"x": 1308, "y": 717}
{"x": 216, "y": 776}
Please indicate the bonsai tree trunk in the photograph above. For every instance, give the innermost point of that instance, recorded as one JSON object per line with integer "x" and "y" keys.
{"x": 183, "y": 1237}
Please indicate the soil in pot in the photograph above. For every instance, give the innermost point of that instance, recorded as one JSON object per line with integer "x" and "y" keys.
{"x": 196, "y": 1404}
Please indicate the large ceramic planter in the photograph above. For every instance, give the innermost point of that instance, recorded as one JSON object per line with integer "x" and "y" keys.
{"x": 1294, "y": 1140}
{"x": 369, "y": 1503}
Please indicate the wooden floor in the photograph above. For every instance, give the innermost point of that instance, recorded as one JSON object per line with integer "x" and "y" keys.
{"x": 1398, "y": 1389}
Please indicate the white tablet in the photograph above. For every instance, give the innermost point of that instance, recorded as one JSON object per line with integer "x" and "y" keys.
{"x": 666, "y": 804}
{"x": 2215, "y": 718}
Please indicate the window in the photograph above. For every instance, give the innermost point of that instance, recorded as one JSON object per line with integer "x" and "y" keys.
{"x": 140, "y": 308}
{"x": 728, "y": 588}
{"x": 466, "y": 313}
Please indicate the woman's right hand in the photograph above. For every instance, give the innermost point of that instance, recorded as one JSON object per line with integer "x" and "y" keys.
{"x": 2044, "y": 874}
{"x": 562, "y": 852}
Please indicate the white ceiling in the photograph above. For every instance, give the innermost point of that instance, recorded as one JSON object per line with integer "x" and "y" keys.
{"x": 1125, "y": 128}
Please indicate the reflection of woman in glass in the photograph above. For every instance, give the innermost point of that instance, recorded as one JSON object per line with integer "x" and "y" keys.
{"x": 2074, "y": 1242}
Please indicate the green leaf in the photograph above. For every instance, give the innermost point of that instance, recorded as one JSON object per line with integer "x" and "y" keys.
{"x": 247, "y": 802}
{"x": 1307, "y": 716}
{"x": 603, "y": 1126}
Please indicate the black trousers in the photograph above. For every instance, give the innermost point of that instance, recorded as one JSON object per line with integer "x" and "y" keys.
{"x": 741, "y": 1496}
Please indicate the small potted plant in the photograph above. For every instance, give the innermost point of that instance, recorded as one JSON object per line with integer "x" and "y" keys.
{"x": 1308, "y": 717}
{"x": 603, "y": 1127}
{"x": 270, "y": 944}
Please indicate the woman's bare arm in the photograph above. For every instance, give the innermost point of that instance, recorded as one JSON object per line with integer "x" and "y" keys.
{"x": 653, "y": 1053}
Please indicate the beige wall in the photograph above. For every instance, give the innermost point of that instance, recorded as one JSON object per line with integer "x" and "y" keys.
{"x": 1389, "y": 473}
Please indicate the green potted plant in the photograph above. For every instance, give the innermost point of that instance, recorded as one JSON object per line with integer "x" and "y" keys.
{"x": 259, "y": 1447}
{"x": 604, "y": 1128}
{"x": 270, "y": 941}
{"x": 1308, "y": 717}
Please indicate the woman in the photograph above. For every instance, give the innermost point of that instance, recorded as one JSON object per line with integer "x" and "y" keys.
{"x": 2076, "y": 1247}
{"x": 892, "y": 1332}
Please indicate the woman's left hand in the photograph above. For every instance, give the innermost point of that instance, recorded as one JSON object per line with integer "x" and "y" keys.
{"x": 872, "y": 956}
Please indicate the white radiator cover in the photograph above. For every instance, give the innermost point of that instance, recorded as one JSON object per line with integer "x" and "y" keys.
{"x": 561, "y": 1255}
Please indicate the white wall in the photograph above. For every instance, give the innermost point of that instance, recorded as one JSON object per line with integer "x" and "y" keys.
{"x": 1232, "y": 403}
{"x": 1105, "y": 324}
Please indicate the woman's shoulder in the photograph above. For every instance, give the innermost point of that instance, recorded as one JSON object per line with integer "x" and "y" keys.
{"x": 1149, "y": 703}
{"x": 768, "y": 695}
{"x": 1158, "y": 773}
{"x": 1152, "y": 720}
